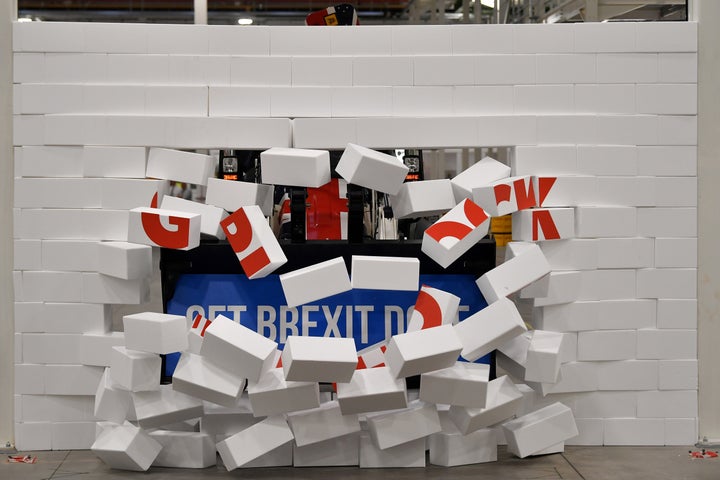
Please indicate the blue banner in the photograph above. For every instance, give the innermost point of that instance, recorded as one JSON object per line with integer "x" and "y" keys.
{"x": 368, "y": 316}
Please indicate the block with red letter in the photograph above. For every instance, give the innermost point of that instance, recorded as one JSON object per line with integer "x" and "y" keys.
{"x": 155, "y": 332}
{"x": 197, "y": 333}
{"x": 463, "y": 384}
{"x": 254, "y": 442}
{"x": 297, "y": 167}
{"x": 211, "y": 216}
{"x": 539, "y": 430}
{"x": 503, "y": 401}
{"x": 273, "y": 395}
{"x": 391, "y": 429}
{"x": 543, "y": 224}
{"x": 423, "y": 199}
{"x": 455, "y": 232}
{"x": 372, "y": 390}
{"x": 372, "y": 356}
{"x": 179, "y": 166}
{"x": 126, "y": 447}
{"x": 423, "y": 351}
{"x": 372, "y": 169}
{"x": 237, "y": 348}
{"x": 319, "y": 359}
{"x": 489, "y": 328}
{"x": 482, "y": 173}
{"x": 385, "y": 273}
{"x": 518, "y": 272}
{"x": 506, "y": 196}
{"x": 200, "y": 378}
{"x": 433, "y": 308}
{"x": 253, "y": 241}
{"x": 164, "y": 228}
{"x": 317, "y": 281}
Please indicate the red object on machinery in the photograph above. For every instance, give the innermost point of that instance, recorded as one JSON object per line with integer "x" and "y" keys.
{"x": 343, "y": 14}
{"x": 324, "y": 214}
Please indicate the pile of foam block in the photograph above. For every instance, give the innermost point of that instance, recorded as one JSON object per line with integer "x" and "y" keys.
{"x": 234, "y": 392}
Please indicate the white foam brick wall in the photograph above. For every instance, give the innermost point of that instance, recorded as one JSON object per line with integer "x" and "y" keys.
{"x": 616, "y": 101}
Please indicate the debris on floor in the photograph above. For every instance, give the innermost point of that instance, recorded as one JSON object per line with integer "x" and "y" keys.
{"x": 703, "y": 454}
{"x": 21, "y": 459}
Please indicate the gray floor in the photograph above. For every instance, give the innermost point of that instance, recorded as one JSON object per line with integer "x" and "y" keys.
{"x": 656, "y": 463}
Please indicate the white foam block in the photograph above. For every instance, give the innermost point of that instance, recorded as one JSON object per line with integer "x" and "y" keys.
{"x": 503, "y": 401}
{"x": 230, "y": 195}
{"x": 433, "y": 308}
{"x": 489, "y": 328}
{"x": 73, "y": 435}
{"x": 543, "y": 357}
{"x": 485, "y": 172}
{"x": 565, "y": 191}
{"x": 395, "y": 428}
{"x": 164, "y": 406}
{"x": 422, "y": 199}
{"x": 463, "y": 384}
{"x": 111, "y": 403}
{"x": 198, "y": 377}
{"x": 406, "y": 455}
{"x": 27, "y": 254}
{"x": 50, "y": 348}
{"x": 607, "y": 345}
{"x": 126, "y": 447}
{"x": 237, "y": 348}
{"x": 315, "y": 282}
{"x": 423, "y": 351}
{"x": 128, "y": 261}
{"x": 127, "y": 193}
{"x": 319, "y": 359}
{"x": 339, "y": 451}
{"x": 253, "y": 242}
{"x": 278, "y": 457}
{"x": 196, "y": 333}
{"x": 540, "y": 430}
{"x": 371, "y": 169}
{"x": 295, "y": 167}
{"x": 455, "y": 232}
{"x": 114, "y": 162}
{"x": 543, "y": 224}
{"x": 593, "y": 222}
{"x": 211, "y": 216}
{"x": 254, "y": 442}
{"x": 96, "y": 348}
{"x": 273, "y": 395}
{"x": 561, "y": 287}
{"x": 451, "y": 448}
{"x": 385, "y": 273}
{"x": 506, "y": 196}
{"x": 71, "y": 379}
{"x": 99, "y": 288}
{"x": 155, "y": 332}
{"x": 134, "y": 370}
{"x": 322, "y": 424}
{"x": 184, "y": 449}
{"x": 57, "y": 193}
{"x": 514, "y": 274}
{"x": 147, "y": 227}
{"x": 372, "y": 390}
{"x": 223, "y": 422}
{"x": 179, "y": 166}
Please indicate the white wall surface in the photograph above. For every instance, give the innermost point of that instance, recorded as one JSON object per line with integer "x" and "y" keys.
{"x": 618, "y": 105}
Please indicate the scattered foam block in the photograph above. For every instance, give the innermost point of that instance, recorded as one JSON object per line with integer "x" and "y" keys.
{"x": 179, "y": 166}
{"x": 372, "y": 390}
{"x": 540, "y": 430}
{"x": 317, "y": 281}
{"x": 544, "y": 357}
{"x": 463, "y": 384}
{"x": 423, "y": 199}
{"x": 96, "y": 349}
{"x": 406, "y": 455}
{"x": 372, "y": 169}
{"x": 134, "y": 370}
{"x": 128, "y": 261}
{"x": 254, "y": 442}
{"x": 184, "y": 449}
{"x": 503, "y": 401}
{"x": 253, "y": 241}
{"x": 295, "y": 167}
{"x": 199, "y": 377}
{"x": 423, "y": 351}
{"x": 455, "y": 233}
{"x": 433, "y": 308}
{"x": 506, "y": 196}
{"x": 210, "y": 215}
{"x": 223, "y": 422}
{"x": 482, "y": 173}
{"x": 557, "y": 448}
{"x": 450, "y": 448}
{"x": 385, "y": 273}
{"x": 162, "y": 407}
{"x": 278, "y": 457}
{"x": 111, "y": 403}
{"x": 489, "y": 328}
{"x": 321, "y": 424}
{"x": 238, "y": 349}
{"x": 395, "y": 428}
{"x": 230, "y": 195}
{"x": 155, "y": 332}
{"x": 319, "y": 359}
{"x": 273, "y": 395}
{"x": 562, "y": 287}
{"x": 514, "y": 274}
{"x": 543, "y": 224}
{"x": 336, "y": 452}
{"x": 196, "y": 333}
{"x": 126, "y": 447}
{"x": 146, "y": 226}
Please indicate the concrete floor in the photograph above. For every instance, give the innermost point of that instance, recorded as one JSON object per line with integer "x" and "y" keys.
{"x": 589, "y": 463}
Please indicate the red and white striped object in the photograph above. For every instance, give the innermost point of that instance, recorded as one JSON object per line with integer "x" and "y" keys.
{"x": 433, "y": 308}
{"x": 197, "y": 332}
{"x": 372, "y": 356}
